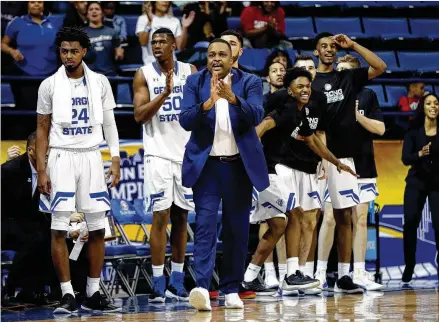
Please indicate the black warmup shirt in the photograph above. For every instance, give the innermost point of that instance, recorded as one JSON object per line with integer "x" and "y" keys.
{"x": 365, "y": 161}
{"x": 280, "y": 144}
{"x": 341, "y": 89}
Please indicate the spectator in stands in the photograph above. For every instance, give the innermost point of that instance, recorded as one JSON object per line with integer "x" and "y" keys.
{"x": 421, "y": 152}
{"x": 410, "y": 102}
{"x": 278, "y": 56}
{"x": 263, "y": 23}
{"x": 116, "y": 22}
{"x": 156, "y": 15}
{"x": 77, "y": 15}
{"x": 105, "y": 45}
{"x": 210, "y": 21}
{"x": 34, "y": 51}
{"x": 26, "y": 230}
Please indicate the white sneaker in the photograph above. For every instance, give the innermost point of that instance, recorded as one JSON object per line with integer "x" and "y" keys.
{"x": 232, "y": 301}
{"x": 321, "y": 276}
{"x": 271, "y": 281}
{"x": 363, "y": 279}
{"x": 199, "y": 299}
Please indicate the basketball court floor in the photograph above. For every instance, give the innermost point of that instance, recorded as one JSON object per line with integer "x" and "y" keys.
{"x": 416, "y": 302}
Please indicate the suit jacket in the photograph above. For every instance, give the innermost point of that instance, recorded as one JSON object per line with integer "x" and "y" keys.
{"x": 244, "y": 117}
{"x": 16, "y": 184}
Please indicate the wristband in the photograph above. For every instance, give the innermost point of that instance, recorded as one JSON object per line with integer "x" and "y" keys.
{"x": 147, "y": 29}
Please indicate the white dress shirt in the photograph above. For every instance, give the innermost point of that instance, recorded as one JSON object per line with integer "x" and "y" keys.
{"x": 224, "y": 143}
{"x": 34, "y": 178}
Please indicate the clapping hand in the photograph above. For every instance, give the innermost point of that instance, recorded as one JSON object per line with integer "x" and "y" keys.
{"x": 224, "y": 89}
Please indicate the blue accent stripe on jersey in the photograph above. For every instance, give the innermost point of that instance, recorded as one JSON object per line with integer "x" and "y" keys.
{"x": 188, "y": 197}
{"x": 103, "y": 194}
{"x": 291, "y": 202}
{"x": 350, "y": 194}
{"x": 370, "y": 187}
{"x": 60, "y": 196}
{"x": 104, "y": 200}
{"x": 255, "y": 194}
{"x": 43, "y": 206}
{"x": 315, "y": 195}
{"x": 270, "y": 205}
{"x": 154, "y": 197}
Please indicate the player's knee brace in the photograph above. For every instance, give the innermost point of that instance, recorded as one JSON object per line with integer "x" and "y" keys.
{"x": 60, "y": 220}
{"x": 95, "y": 220}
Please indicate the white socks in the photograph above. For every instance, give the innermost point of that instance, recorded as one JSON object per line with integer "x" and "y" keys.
{"x": 252, "y": 272}
{"x": 92, "y": 285}
{"x": 360, "y": 265}
{"x": 309, "y": 269}
{"x": 157, "y": 271}
{"x": 343, "y": 269}
{"x": 269, "y": 269}
{"x": 292, "y": 265}
{"x": 322, "y": 265}
{"x": 176, "y": 267}
{"x": 282, "y": 272}
{"x": 66, "y": 288}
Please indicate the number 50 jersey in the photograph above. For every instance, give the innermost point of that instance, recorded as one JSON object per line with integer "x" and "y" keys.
{"x": 163, "y": 136}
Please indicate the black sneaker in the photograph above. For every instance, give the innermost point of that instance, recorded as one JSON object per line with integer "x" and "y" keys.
{"x": 67, "y": 306}
{"x": 259, "y": 288}
{"x": 346, "y": 285}
{"x": 98, "y": 303}
{"x": 299, "y": 281}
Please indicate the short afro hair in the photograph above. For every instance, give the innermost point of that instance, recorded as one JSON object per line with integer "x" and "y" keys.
{"x": 165, "y": 31}
{"x": 233, "y": 33}
{"x": 294, "y": 73}
{"x": 320, "y": 36}
{"x": 74, "y": 33}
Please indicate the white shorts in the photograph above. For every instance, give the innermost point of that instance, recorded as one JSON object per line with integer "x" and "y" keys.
{"x": 306, "y": 185}
{"x": 163, "y": 185}
{"x": 368, "y": 190}
{"x": 274, "y": 201}
{"x": 342, "y": 186}
{"x": 78, "y": 181}
{"x": 324, "y": 194}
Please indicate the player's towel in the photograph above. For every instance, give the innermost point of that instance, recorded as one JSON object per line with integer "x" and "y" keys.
{"x": 62, "y": 97}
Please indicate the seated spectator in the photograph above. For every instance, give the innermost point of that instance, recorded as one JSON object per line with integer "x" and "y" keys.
{"x": 116, "y": 22}
{"x": 34, "y": 52}
{"x": 26, "y": 230}
{"x": 76, "y": 15}
{"x": 156, "y": 15}
{"x": 105, "y": 49}
{"x": 278, "y": 56}
{"x": 410, "y": 102}
{"x": 263, "y": 23}
{"x": 210, "y": 21}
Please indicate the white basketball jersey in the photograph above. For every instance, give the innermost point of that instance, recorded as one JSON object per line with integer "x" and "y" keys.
{"x": 163, "y": 136}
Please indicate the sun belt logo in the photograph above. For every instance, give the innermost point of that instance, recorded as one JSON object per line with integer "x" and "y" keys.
{"x": 334, "y": 96}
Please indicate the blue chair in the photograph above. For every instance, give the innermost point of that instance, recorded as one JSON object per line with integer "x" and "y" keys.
{"x": 386, "y": 28}
{"x": 379, "y": 91}
{"x": 131, "y": 21}
{"x": 429, "y": 88}
{"x": 299, "y": 28}
{"x": 349, "y": 26}
{"x": 362, "y": 4}
{"x": 234, "y": 23}
{"x": 124, "y": 98}
{"x": 130, "y": 67}
{"x": 413, "y": 4}
{"x": 388, "y": 57}
{"x": 315, "y": 4}
{"x": 394, "y": 93}
{"x": 7, "y": 99}
{"x": 425, "y": 28}
{"x": 7, "y": 257}
{"x": 436, "y": 89}
{"x": 423, "y": 62}
{"x": 254, "y": 59}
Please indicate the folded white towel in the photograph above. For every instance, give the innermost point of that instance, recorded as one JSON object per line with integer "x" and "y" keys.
{"x": 62, "y": 97}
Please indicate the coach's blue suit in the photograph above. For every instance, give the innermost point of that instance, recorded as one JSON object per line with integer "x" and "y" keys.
{"x": 213, "y": 180}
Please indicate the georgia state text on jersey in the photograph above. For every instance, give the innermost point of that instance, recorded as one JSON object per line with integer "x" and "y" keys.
{"x": 162, "y": 135}
{"x": 80, "y": 134}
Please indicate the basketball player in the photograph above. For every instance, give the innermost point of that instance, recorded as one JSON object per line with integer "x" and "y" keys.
{"x": 275, "y": 79}
{"x": 74, "y": 177}
{"x": 282, "y": 152}
{"x": 158, "y": 91}
{"x": 317, "y": 110}
{"x": 370, "y": 122}
{"x": 341, "y": 89}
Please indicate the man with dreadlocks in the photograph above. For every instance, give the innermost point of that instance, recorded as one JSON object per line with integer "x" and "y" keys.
{"x": 75, "y": 109}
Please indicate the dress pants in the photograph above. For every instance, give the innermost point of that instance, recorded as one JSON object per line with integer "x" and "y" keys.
{"x": 229, "y": 182}
{"x": 414, "y": 201}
